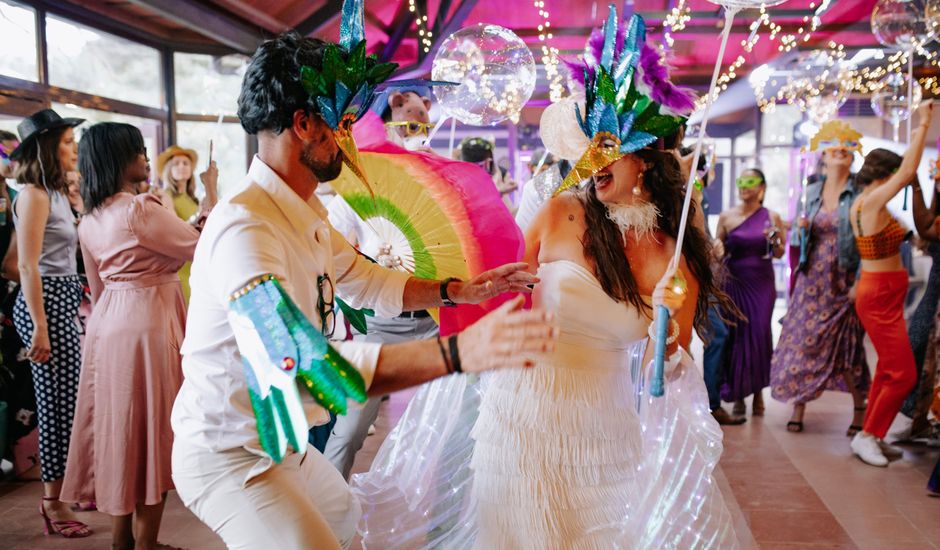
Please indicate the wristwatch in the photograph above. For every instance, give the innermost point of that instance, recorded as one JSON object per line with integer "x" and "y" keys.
{"x": 444, "y": 296}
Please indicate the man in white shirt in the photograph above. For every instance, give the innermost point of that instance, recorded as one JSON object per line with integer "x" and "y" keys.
{"x": 274, "y": 224}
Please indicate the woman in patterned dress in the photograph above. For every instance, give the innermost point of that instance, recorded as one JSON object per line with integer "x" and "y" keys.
{"x": 821, "y": 342}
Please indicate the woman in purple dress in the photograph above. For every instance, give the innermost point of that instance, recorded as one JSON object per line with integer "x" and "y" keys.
{"x": 820, "y": 346}
{"x": 750, "y": 235}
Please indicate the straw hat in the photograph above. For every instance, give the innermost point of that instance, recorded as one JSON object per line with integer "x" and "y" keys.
{"x": 173, "y": 151}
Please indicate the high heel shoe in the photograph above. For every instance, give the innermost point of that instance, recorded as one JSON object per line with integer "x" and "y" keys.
{"x": 68, "y": 528}
{"x": 855, "y": 428}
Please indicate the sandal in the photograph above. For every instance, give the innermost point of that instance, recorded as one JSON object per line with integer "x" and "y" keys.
{"x": 90, "y": 506}
{"x": 795, "y": 426}
{"x": 855, "y": 428}
{"x": 68, "y": 528}
{"x": 757, "y": 407}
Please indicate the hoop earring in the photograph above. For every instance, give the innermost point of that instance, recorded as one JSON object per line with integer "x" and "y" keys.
{"x": 638, "y": 188}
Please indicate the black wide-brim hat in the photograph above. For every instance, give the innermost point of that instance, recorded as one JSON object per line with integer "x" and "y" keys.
{"x": 37, "y": 124}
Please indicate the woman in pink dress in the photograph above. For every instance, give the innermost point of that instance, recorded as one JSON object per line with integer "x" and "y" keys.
{"x": 133, "y": 247}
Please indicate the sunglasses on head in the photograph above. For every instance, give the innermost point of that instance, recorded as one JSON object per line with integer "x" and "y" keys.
{"x": 411, "y": 128}
{"x": 479, "y": 142}
{"x": 748, "y": 182}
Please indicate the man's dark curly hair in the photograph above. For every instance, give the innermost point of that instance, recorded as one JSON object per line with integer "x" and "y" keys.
{"x": 271, "y": 90}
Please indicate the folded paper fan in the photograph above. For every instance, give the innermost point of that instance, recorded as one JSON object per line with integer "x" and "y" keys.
{"x": 443, "y": 218}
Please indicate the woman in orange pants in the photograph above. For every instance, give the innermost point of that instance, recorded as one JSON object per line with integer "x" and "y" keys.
{"x": 882, "y": 287}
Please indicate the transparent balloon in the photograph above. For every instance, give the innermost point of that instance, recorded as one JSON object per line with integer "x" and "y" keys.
{"x": 891, "y": 101}
{"x": 905, "y": 24}
{"x": 821, "y": 85}
{"x": 496, "y": 72}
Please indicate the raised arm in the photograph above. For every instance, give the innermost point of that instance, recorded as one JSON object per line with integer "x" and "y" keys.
{"x": 906, "y": 173}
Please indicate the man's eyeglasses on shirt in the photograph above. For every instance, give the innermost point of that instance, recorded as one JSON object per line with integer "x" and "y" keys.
{"x": 326, "y": 305}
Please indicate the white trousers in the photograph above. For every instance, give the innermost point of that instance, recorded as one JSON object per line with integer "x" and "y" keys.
{"x": 251, "y": 503}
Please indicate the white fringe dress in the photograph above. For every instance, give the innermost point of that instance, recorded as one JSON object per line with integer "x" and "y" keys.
{"x": 569, "y": 454}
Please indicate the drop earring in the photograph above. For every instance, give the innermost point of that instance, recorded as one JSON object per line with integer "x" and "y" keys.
{"x": 638, "y": 188}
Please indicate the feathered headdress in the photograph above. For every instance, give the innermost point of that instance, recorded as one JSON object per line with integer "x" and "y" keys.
{"x": 628, "y": 96}
{"x": 348, "y": 82}
{"x": 836, "y": 134}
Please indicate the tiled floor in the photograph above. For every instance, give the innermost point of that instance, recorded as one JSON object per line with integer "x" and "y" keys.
{"x": 785, "y": 490}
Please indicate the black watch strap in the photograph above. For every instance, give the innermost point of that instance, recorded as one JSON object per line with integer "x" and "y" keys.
{"x": 444, "y": 296}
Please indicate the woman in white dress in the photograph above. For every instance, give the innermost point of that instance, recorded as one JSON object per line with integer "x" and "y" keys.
{"x": 573, "y": 453}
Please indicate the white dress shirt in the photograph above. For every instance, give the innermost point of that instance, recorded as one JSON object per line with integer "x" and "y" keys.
{"x": 265, "y": 227}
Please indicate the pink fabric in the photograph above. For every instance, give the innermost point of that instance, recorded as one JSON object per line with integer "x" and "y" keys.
{"x": 119, "y": 454}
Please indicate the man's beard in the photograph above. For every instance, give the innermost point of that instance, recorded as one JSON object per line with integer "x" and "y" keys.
{"x": 323, "y": 171}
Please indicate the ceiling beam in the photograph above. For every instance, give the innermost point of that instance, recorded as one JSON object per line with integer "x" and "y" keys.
{"x": 124, "y": 27}
{"x": 252, "y": 13}
{"x": 423, "y": 66}
{"x": 400, "y": 25}
{"x": 318, "y": 20}
{"x": 216, "y": 24}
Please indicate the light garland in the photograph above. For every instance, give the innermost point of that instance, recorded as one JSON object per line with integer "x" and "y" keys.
{"x": 421, "y": 21}
{"x": 556, "y": 87}
{"x": 675, "y": 21}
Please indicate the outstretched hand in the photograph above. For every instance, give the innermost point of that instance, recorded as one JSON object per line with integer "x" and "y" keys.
{"x": 507, "y": 337}
{"x": 512, "y": 277}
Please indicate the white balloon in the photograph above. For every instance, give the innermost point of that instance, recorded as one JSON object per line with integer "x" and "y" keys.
{"x": 559, "y": 129}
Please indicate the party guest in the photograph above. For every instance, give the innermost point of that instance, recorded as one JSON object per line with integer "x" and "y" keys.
{"x": 176, "y": 167}
{"x": 750, "y": 234}
{"x": 133, "y": 248}
{"x": 924, "y": 326}
{"x": 882, "y": 288}
{"x": 821, "y": 342}
{"x": 48, "y": 301}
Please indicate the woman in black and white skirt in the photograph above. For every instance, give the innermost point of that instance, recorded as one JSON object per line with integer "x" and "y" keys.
{"x": 46, "y": 309}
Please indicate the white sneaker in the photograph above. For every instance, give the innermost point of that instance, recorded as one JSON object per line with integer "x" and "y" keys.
{"x": 890, "y": 451}
{"x": 866, "y": 447}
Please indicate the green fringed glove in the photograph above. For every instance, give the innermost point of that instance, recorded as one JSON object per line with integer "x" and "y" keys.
{"x": 278, "y": 344}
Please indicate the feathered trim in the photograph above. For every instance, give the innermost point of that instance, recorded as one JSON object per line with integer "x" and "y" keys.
{"x": 653, "y": 73}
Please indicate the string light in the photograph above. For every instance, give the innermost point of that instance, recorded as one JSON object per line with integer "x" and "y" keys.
{"x": 421, "y": 21}
{"x": 675, "y": 21}
{"x": 556, "y": 87}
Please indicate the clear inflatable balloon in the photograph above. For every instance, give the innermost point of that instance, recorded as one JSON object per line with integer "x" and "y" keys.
{"x": 496, "y": 72}
{"x": 822, "y": 87}
{"x": 891, "y": 103}
{"x": 905, "y": 24}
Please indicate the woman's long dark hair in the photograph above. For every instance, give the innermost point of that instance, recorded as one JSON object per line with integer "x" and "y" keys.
{"x": 604, "y": 244}
{"x": 105, "y": 151}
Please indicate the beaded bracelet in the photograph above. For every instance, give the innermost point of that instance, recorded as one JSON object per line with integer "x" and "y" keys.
{"x": 673, "y": 332}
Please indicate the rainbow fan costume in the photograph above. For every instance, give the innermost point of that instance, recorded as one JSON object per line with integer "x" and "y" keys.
{"x": 629, "y": 100}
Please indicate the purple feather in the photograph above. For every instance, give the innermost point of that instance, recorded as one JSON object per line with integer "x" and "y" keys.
{"x": 655, "y": 75}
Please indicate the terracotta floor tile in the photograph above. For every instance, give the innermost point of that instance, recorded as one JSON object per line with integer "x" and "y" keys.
{"x": 811, "y": 527}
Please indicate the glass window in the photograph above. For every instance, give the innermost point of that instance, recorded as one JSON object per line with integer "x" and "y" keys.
{"x": 745, "y": 144}
{"x": 149, "y": 127}
{"x": 94, "y": 62}
{"x": 18, "y": 28}
{"x": 780, "y": 164}
{"x": 229, "y": 149}
{"x": 777, "y": 126}
{"x": 207, "y": 85}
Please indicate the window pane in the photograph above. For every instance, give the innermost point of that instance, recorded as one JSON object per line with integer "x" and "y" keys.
{"x": 18, "y": 28}
{"x": 777, "y": 126}
{"x": 229, "y": 149}
{"x": 94, "y": 62}
{"x": 206, "y": 85}
{"x": 149, "y": 127}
